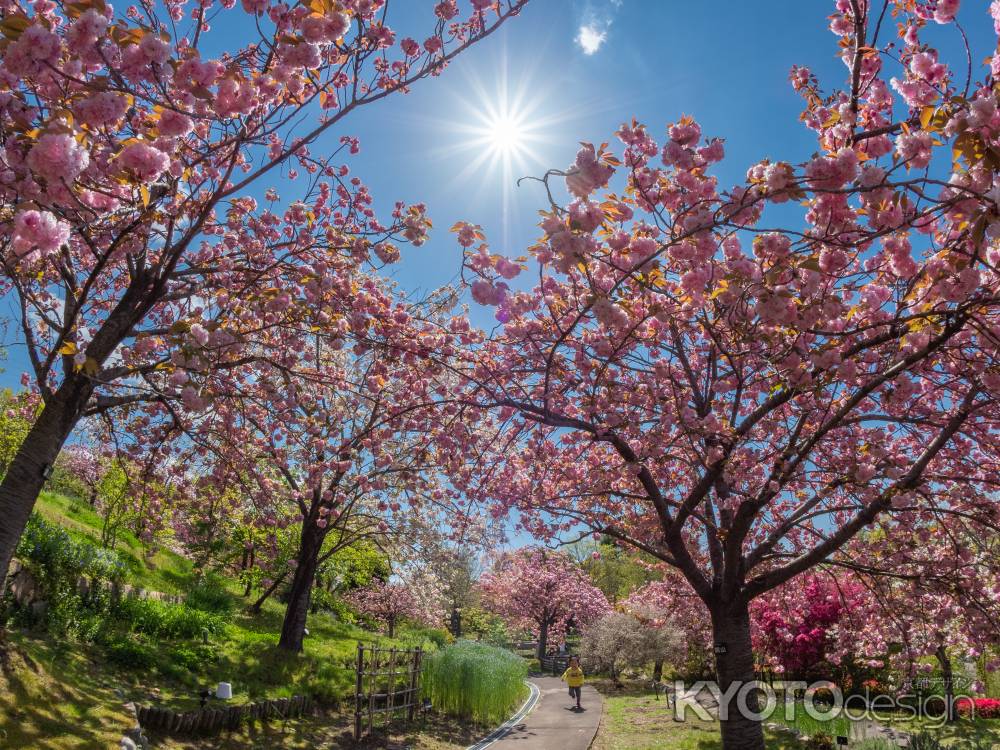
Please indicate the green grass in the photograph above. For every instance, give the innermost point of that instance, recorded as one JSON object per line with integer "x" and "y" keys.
{"x": 837, "y": 726}
{"x": 475, "y": 681}
{"x": 163, "y": 570}
{"x": 985, "y": 732}
{"x": 635, "y": 720}
{"x": 55, "y": 697}
{"x": 67, "y": 694}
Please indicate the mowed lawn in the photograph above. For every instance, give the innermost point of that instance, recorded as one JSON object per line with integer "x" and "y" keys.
{"x": 638, "y": 721}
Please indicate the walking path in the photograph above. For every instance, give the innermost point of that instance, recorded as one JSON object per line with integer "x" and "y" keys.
{"x": 553, "y": 723}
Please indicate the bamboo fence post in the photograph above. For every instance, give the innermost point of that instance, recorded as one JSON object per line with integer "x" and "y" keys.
{"x": 358, "y": 688}
{"x": 414, "y": 684}
{"x": 390, "y": 692}
{"x": 372, "y": 686}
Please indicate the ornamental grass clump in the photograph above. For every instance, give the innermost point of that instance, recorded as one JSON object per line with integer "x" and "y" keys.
{"x": 475, "y": 681}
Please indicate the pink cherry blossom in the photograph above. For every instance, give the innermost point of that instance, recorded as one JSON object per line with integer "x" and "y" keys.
{"x": 38, "y": 231}
{"x": 58, "y": 157}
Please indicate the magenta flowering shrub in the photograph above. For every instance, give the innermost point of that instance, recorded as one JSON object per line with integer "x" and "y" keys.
{"x": 792, "y": 625}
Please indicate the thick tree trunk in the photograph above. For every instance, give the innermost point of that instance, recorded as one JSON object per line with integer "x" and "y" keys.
{"x": 949, "y": 682}
{"x": 657, "y": 670}
{"x": 294, "y": 626}
{"x": 543, "y": 638}
{"x": 456, "y": 622}
{"x": 391, "y": 626}
{"x": 731, "y": 631}
{"x": 26, "y": 472}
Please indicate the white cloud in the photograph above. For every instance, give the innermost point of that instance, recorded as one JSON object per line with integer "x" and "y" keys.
{"x": 595, "y": 23}
{"x": 590, "y": 38}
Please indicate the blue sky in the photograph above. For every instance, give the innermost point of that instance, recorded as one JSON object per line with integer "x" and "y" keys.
{"x": 724, "y": 62}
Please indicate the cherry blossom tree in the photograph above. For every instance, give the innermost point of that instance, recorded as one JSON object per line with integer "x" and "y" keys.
{"x": 542, "y": 591}
{"x": 86, "y": 466}
{"x": 342, "y": 452}
{"x": 389, "y": 602}
{"x": 671, "y": 602}
{"x": 941, "y": 598}
{"x": 733, "y": 390}
{"x": 133, "y": 240}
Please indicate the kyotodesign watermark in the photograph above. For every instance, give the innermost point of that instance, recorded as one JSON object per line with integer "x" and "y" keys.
{"x": 822, "y": 701}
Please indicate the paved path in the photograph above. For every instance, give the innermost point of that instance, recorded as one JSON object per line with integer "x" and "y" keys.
{"x": 552, "y": 723}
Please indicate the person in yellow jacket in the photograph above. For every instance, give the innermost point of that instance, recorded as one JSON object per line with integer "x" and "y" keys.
{"x": 573, "y": 676}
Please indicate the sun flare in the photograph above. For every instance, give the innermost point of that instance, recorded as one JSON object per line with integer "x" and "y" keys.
{"x": 503, "y": 127}
{"x": 506, "y": 134}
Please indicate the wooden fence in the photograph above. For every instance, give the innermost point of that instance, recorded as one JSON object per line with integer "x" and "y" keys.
{"x": 555, "y": 664}
{"x": 209, "y": 720}
{"x": 388, "y": 683}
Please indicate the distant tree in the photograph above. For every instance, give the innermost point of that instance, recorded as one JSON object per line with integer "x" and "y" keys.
{"x": 83, "y": 466}
{"x": 620, "y": 640}
{"x": 671, "y": 602}
{"x": 541, "y": 591}
{"x": 615, "y": 570}
{"x": 17, "y": 411}
{"x": 390, "y": 602}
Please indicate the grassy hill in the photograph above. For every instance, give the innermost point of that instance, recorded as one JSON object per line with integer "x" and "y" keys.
{"x": 164, "y": 570}
{"x": 72, "y": 693}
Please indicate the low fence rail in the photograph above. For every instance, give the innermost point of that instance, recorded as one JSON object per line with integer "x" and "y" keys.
{"x": 555, "y": 664}
{"x": 209, "y": 720}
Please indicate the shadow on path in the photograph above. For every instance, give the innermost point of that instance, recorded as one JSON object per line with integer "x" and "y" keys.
{"x": 555, "y": 722}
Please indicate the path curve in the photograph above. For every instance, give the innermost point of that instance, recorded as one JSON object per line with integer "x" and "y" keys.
{"x": 550, "y": 722}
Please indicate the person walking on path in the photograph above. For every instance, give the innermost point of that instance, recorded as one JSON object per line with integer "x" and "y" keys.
{"x": 573, "y": 676}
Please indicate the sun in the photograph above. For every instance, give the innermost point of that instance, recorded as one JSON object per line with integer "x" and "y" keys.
{"x": 506, "y": 134}
{"x": 499, "y": 126}
{"x": 502, "y": 131}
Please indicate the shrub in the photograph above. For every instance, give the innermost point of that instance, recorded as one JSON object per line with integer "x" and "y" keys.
{"x": 475, "y": 681}
{"x": 982, "y": 708}
{"x": 820, "y": 741}
{"x": 877, "y": 744}
{"x": 127, "y": 651}
{"x": 209, "y": 594}
{"x": 619, "y": 640}
{"x": 165, "y": 620}
{"x": 430, "y": 639}
{"x": 56, "y": 562}
{"x": 323, "y": 600}
{"x": 187, "y": 658}
{"x": 924, "y": 741}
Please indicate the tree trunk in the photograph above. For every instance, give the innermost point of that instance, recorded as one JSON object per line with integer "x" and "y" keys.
{"x": 949, "y": 682}
{"x": 456, "y": 622}
{"x": 26, "y": 472}
{"x": 391, "y": 626}
{"x": 731, "y": 632}
{"x": 294, "y": 626}
{"x": 543, "y": 638}
{"x": 657, "y": 670}
{"x": 255, "y": 607}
